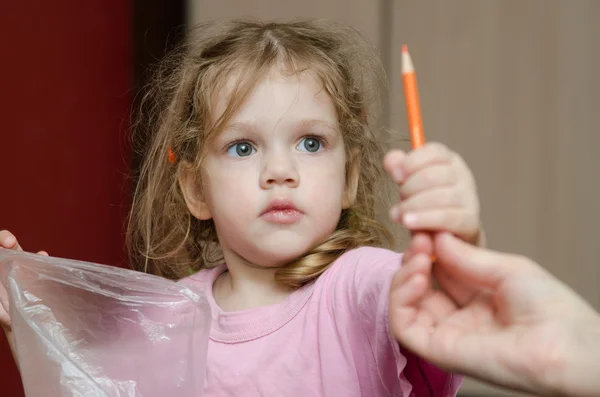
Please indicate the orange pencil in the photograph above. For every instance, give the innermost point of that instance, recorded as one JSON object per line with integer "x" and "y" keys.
{"x": 411, "y": 95}
{"x": 413, "y": 107}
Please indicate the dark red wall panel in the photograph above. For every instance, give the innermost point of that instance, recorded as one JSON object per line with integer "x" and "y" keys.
{"x": 65, "y": 94}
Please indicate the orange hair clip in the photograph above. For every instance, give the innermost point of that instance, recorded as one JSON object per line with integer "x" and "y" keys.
{"x": 172, "y": 158}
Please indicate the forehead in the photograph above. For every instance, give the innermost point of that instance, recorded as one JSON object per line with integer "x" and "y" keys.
{"x": 277, "y": 94}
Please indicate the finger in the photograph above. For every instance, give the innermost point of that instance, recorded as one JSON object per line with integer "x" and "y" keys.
{"x": 430, "y": 153}
{"x": 415, "y": 310}
{"x": 434, "y": 176}
{"x": 476, "y": 266}
{"x": 4, "y": 308}
{"x": 439, "y": 197}
{"x": 8, "y": 240}
{"x": 410, "y": 292}
{"x": 436, "y": 303}
{"x": 420, "y": 243}
{"x": 458, "y": 292}
{"x": 412, "y": 329}
{"x": 409, "y": 287}
{"x": 419, "y": 264}
{"x": 455, "y": 220}
{"x": 44, "y": 253}
{"x": 393, "y": 164}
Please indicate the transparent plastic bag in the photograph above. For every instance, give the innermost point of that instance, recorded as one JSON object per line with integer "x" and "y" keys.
{"x": 83, "y": 329}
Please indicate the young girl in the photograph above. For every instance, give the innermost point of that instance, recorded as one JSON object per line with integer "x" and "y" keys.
{"x": 261, "y": 179}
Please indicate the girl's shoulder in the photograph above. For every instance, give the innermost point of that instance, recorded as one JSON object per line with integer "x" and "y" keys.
{"x": 366, "y": 260}
{"x": 370, "y": 254}
{"x": 362, "y": 269}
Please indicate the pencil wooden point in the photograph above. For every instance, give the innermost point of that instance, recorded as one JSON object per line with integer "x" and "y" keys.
{"x": 407, "y": 64}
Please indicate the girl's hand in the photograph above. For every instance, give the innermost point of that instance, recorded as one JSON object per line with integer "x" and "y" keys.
{"x": 437, "y": 191}
{"x": 9, "y": 241}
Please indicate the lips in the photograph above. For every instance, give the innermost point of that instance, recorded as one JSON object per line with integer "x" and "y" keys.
{"x": 282, "y": 211}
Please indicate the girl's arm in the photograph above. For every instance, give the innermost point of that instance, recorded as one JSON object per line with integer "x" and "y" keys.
{"x": 371, "y": 272}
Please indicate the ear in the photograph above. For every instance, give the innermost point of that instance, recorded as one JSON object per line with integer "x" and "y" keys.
{"x": 352, "y": 175}
{"x": 191, "y": 188}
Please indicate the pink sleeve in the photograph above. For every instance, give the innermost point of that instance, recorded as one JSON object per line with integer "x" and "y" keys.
{"x": 397, "y": 367}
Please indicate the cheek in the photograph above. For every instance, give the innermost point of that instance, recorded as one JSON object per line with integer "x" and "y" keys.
{"x": 325, "y": 185}
{"x": 230, "y": 192}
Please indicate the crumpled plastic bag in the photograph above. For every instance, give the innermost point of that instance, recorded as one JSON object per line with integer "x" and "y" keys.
{"x": 83, "y": 329}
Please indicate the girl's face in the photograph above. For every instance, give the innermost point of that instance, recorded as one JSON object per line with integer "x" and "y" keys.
{"x": 274, "y": 179}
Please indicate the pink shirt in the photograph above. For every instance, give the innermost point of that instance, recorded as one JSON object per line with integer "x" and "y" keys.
{"x": 329, "y": 338}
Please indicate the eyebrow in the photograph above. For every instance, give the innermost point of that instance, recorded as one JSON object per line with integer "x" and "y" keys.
{"x": 309, "y": 123}
{"x": 240, "y": 126}
{"x": 244, "y": 128}
{"x": 304, "y": 123}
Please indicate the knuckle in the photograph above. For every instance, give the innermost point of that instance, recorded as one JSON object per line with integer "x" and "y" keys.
{"x": 430, "y": 176}
{"x": 451, "y": 197}
{"x": 456, "y": 197}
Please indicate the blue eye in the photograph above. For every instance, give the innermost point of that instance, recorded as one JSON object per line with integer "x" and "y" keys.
{"x": 240, "y": 149}
{"x": 311, "y": 145}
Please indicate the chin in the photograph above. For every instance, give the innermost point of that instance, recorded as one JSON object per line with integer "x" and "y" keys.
{"x": 277, "y": 259}
{"x": 278, "y": 254}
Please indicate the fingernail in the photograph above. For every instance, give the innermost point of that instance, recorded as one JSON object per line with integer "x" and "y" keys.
{"x": 409, "y": 219}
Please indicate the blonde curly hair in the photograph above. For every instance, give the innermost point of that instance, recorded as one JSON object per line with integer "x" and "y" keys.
{"x": 163, "y": 238}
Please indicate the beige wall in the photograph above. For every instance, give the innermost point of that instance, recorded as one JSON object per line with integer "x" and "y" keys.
{"x": 512, "y": 86}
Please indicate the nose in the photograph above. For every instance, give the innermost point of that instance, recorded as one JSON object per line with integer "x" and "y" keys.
{"x": 279, "y": 169}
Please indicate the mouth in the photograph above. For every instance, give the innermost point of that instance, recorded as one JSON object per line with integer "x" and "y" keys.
{"x": 282, "y": 211}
